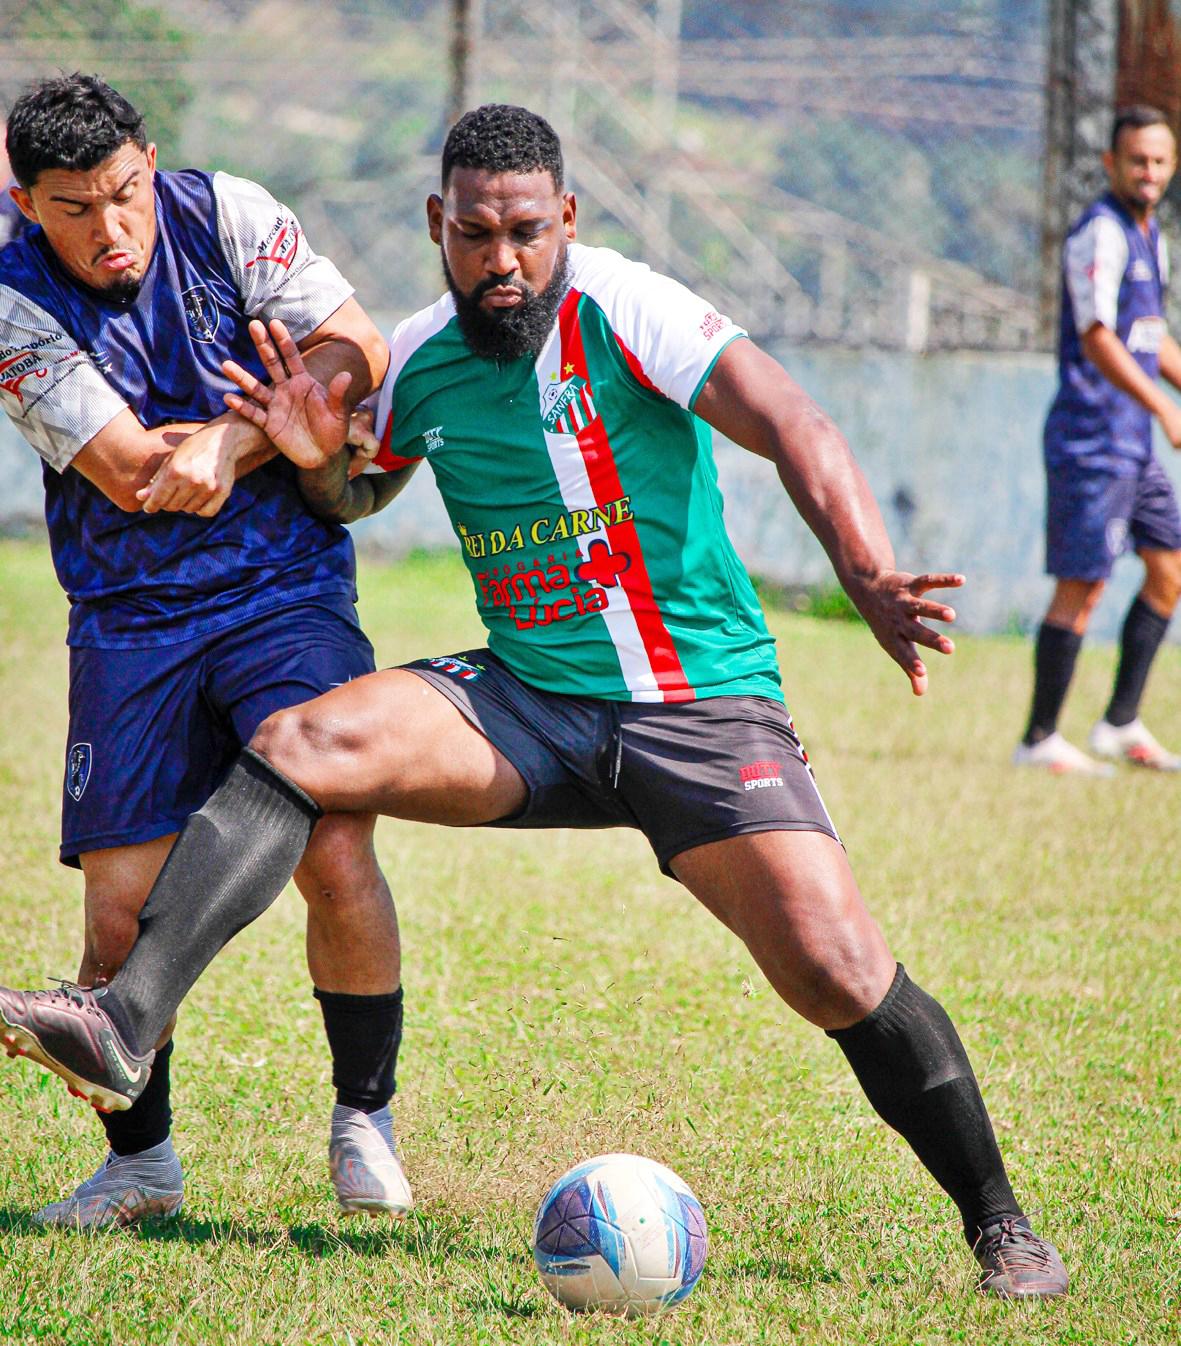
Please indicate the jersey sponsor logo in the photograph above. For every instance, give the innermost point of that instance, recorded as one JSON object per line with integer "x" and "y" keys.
{"x": 202, "y": 312}
{"x": 712, "y": 324}
{"x": 760, "y": 775}
{"x": 27, "y": 362}
{"x": 280, "y": 245}
{"x": 602, "y": 565}
{"x": 1146, "y": 336}
{"x": 78, "y": 763}
{"x": 527, "y": 593}
{"x": 546, "y": 529}
{"x": 1140, "y": 270}
{"x": 567, "y": 407}
{"x": 433, "y": 438}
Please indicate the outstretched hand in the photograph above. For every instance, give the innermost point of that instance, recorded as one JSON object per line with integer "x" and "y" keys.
{"x": 305, "y": 421}
{"x": 893, "y": 605}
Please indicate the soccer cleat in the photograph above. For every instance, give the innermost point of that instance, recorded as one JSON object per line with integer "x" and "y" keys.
{"x": 125, "y": 1189}
{"x": 1131, "y": 743}
{"x": 69, "y": 1032}
{"x": 366, "y": 1171}
{"x": 1016, "y": 1263}
{"x": 1056, "y": 755}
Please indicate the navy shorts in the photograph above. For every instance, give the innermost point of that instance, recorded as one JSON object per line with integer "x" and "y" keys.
{"x": 684, "y": 773}
{"x": 1092, "y": 517}
{"x": 153, "y": 731}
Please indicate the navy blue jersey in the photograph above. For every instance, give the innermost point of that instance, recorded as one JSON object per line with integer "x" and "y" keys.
{"x": 1114, "y": 274}
{"x": 71, "y": 359}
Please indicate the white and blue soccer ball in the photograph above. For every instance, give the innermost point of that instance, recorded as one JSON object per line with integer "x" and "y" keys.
{"x": 621, "y": 1234}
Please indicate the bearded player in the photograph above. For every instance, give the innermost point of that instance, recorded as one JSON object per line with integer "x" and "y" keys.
{"x": 563, "y": 397}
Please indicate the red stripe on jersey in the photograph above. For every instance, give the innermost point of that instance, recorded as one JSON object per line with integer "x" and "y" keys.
{"x": 601, "y": 469}
{"x": 636, "y": 368}
{"x": 385, "y": 457}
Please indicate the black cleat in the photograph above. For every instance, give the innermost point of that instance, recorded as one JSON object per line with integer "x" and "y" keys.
{"x": 69, "y": 1032}
{"x": 1017, "y": 1264}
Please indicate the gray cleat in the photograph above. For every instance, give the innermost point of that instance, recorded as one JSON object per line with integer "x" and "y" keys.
{"x": 125, "y": 1189}
{"x": 366, "y": 1171}
{"x": 1017, "y": 1264}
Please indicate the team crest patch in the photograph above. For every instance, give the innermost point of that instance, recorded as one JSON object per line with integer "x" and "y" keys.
{"x": 202, "y": 312}
{"x": 78, "y": 765}
{"x": 567, "y": 407}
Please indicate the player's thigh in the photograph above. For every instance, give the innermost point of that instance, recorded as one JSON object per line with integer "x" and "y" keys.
{"x": 390, "y": 743}
{"x": 1088, "y": 521}
{"x": 790, "y": 896}
{"x": 118, "y": 880}
{"x": 145, "y": 748}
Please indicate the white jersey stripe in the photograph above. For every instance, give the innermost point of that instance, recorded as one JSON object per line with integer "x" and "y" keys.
{"x": 570, "y": 470}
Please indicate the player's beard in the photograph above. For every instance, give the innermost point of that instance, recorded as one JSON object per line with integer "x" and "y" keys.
{"x": 509, "y": 333}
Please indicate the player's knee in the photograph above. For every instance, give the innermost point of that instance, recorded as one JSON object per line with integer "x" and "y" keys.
{"x": 111, "y": 931}
{"x": 339, "y": 865}
{"x": 305, "y": 744}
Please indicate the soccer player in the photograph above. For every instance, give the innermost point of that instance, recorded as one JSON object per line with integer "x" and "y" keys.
{"x": 197, "y": 606}
{"x": 563, "y": 396}
{"x": 1106, "y": 491}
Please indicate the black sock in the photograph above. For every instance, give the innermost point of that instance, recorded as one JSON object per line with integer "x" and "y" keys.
{"x": 228, "y": 865}
{"x": 149, "y": 1119}
{"x": 1053, "y": 667}
{"x": 364, "y": 1034}
{"x": 1139, "y": 641}
{"x": 912, "y": 1065}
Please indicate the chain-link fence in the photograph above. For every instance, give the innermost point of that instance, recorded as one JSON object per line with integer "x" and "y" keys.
{"x": 829, "y": 170}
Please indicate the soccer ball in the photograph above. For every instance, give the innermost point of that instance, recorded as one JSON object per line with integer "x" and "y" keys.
{"x": 621, "y": 1234}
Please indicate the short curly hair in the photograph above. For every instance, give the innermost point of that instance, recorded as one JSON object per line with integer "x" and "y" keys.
{"x": 502, "y": 138}
{"x": 72, "y": 121}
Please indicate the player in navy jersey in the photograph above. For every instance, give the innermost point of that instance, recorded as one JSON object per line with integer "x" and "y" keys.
{"x": 204, "y": 595}
{"x": 1106, "y": 491}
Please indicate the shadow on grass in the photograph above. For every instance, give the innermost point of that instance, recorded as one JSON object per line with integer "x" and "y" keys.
{"x": 427, "y": 1239}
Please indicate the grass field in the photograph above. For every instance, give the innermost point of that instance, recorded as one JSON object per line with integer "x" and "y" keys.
{"x": 565, "y": 999}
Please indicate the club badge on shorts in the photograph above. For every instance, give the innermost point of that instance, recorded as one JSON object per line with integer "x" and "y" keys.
{"x": 78, "y": 764}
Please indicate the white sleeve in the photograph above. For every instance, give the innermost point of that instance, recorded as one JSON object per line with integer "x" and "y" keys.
{"x": 276, "y": 272}
{"x": 1095, "y": 260}
{"x": 670, "y": 336}
{"x": 52, "y": 390}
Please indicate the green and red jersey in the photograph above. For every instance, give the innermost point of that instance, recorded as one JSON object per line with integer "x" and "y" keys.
{"x": 583, "y": 489}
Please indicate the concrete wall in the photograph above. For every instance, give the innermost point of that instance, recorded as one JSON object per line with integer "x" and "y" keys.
{"x": 951, "y": 445}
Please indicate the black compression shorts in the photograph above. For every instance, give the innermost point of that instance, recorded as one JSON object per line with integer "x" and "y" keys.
{"x": 684, "y": 773}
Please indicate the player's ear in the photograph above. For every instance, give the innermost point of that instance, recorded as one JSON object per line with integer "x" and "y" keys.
{"x": 24, "y": 203}
{"x": 150, "y": 152}
{"x": 434, "y": 217}
{"x": 569, "y": 216}
{"x": 1108, "y": 162}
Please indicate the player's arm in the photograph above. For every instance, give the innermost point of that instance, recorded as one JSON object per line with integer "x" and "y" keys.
{"x": 1119, "y": 367}
{"x": 200, "y": 473}
{"x": 311, "y": 423}
{"x": 124, "y": 460}
{"x": 753, "y": 401}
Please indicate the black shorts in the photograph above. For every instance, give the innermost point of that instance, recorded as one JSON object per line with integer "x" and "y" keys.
{"x": 684, "y": 773}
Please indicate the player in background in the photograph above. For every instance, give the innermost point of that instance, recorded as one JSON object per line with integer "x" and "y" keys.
{"x": 555, "y": 391}
{"x": 1106, "y": 491}
{"x": 197, "y": 606}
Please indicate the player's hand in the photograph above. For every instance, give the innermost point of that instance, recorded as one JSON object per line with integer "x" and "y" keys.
{"x": 306, "y": 422}
{"x": 196, "y": 478}
{"x": 362, "y": 442}
{"x": 893, "y": 605}
{"x": 1171, "y": 424}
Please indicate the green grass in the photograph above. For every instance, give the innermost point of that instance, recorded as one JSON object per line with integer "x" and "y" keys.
{"x": 563, "y": 999}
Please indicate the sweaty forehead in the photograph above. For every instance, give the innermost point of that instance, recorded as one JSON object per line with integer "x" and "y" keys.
{"x": 476, "y": 192}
